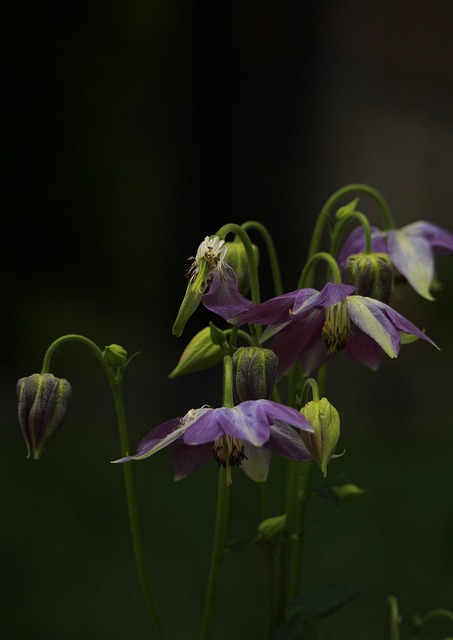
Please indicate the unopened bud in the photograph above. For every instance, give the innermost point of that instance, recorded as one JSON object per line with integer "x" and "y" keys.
{"x": 201, "y": 353}
{"x": 371, "y": 274}
{"x": 114, "y": 355}
{"x": 269, "y": 528}
{"x": 236, "y": 257}
{"x": 43, "y": 402}
{"x": 325, "y": 420}
{"x": 254, "y": 372}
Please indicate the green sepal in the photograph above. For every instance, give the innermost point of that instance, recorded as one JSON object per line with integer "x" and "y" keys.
{"x": 200, "y": 354}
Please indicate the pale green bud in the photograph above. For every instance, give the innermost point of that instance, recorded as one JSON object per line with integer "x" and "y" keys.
{"x": 348, "y": 491}
{"x": 325, "y": 420}
{"x": 236, "y": 257}
{"x": 114, "y": 355}
{"x": 254, "y": 372}
{"x": 201, "y": 353}
{"x": 269, "y": 528}
{"x": 371, "y": 274}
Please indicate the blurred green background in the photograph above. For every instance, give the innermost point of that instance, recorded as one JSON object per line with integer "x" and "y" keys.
{"x": 130, "y": 131}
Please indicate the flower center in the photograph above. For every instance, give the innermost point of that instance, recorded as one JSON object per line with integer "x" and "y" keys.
{"x": 337, "y": 327}
{"x": 229, "y": 452}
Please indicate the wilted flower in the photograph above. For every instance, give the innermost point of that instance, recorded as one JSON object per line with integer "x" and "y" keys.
{"x": 312, "y": 325}
{"x": 243, "y": 436}
{"x": 43, "y": 402}
{"x": 213, "y": 280}
{"x": 411, "y": 249}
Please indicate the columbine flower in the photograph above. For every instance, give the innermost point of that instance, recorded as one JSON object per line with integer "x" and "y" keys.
{"x": 241, "y": 436}
{"x": 410, "y": 248}
{"x": 312, "y": 326}
{"x": 212, "y": 280}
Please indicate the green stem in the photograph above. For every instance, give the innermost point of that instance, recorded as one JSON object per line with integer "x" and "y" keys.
{"x": 341, "y": 225}
{"x": 391, "y": 619}
{"x": 306, "y": 278}
{"x": 115, "y": 385}
{"x": 323, "y": 217}
{"x": 269, "y": 563}
{"x": 239, "y": 231}
{"x": 271, "y": 252}
{"x": 218, "y": 546}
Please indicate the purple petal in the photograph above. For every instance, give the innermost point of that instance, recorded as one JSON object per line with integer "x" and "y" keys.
{"x": 275, "y": 411}
{"x": 330, "y": 295}
{"x": 413, "y": 256}
{"x": 273, "y": 311}
{"x": 223, "y": 296}
{"x": 205, "y": 428}
{"x": 355, "y": 243}
{"x": 256, "y": 464}
{"x": 401, "y": 323}
{"x": 315, "y": 356}
{"x": 440, "y": 239}
{"x": 296, "y": 338}
{"x": 364, "y": 349}
{"x": 160, "y": 437}
{"x": 368, "y": 315}
{"x": 247, "y": 421}
{"x": 186, "y": 458}
{"x": 287, "y": 442}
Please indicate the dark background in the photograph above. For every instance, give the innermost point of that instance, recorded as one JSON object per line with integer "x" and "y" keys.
{"x": 131, "y": 130}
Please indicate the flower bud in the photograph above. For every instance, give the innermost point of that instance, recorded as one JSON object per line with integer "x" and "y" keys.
{"x": 271, "y": 527}
{"x": 325, "y": 420}
{"x": 254, "y": 371}
{"x": 114, "y": 355}
{"x": 371, "y": 274}
{"x": 201, "y": 353}
{"x": 236, "y": 257}
{"x": 43, "y": 402}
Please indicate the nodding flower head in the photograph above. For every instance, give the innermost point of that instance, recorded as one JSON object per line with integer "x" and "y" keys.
{"x": 43, "y": 402}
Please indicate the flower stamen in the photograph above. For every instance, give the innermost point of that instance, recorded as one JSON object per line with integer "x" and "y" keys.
{"x": 337, "y": 327}
{"x": 229, "y": 452}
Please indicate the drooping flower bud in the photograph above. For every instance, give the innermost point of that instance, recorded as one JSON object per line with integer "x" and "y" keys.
{"x": 236, "y": 257}
{"x": 201, "y": 353}
{"x": 114, "y": 355}
{"x": 325, "y": 420}
{"x": 43, "y": 402}
{"x": 254, "y": 372}
{"x": 371, "y": 274}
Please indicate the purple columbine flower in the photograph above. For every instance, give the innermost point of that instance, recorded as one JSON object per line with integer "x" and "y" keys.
{"x": 312, "y": 326}
{"x": 411, "y": 249}
{"x": 243, "y": 436}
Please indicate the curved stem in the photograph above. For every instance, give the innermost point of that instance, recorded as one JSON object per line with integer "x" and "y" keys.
{"x": 323, "y": 217}
{"x": 70, "y": 337}
{"x": 218, "y": 546}
{"x": 340, "y": 226}
{"x": 239, "y": 231}
{"x": 115, "y": 385}
{"x": 271, "y": 252}
{"x": 317, "y": 257}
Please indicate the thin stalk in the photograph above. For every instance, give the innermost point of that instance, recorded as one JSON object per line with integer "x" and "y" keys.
{"x": 115, "y": 385}
{"x": 271, "y": 252}
{"x": 218, "y": 546}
